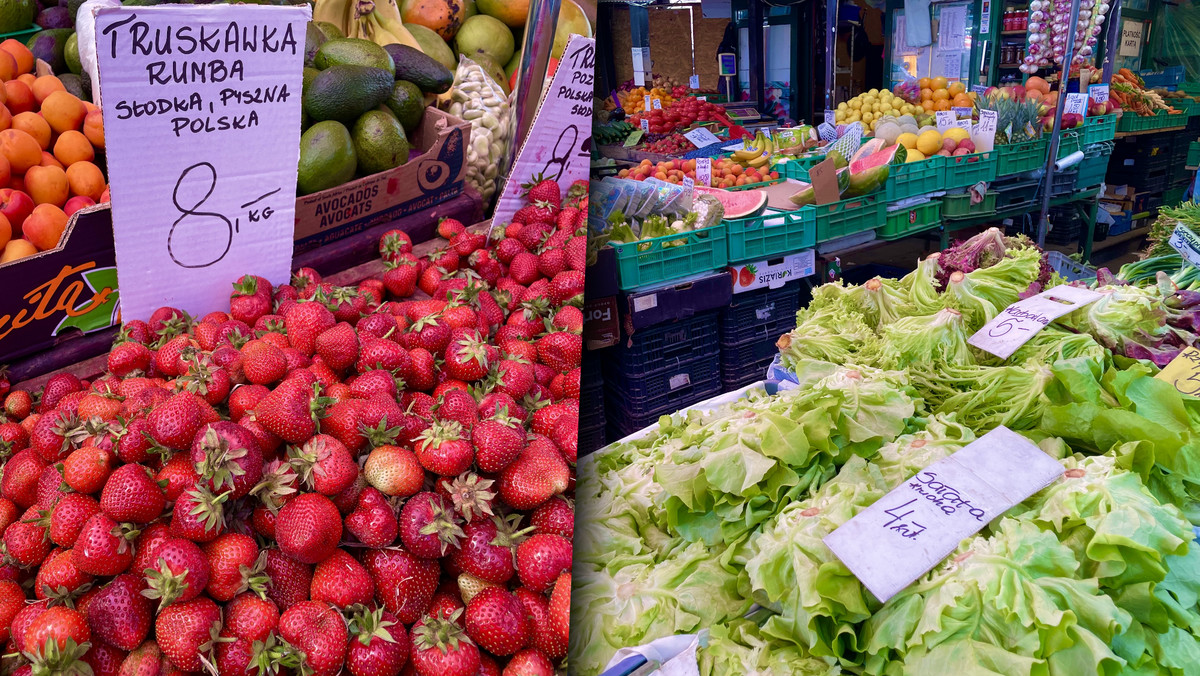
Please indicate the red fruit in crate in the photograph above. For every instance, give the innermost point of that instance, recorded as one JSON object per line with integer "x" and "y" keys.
{"x": 378, "y": 643}
{"x": 317, "y": 631}
{"x": 404, "y": 583}
{"x": 439, "y": 646}
{"x": 342, "y": 581}
{"x": 183, "y": 629}
{"x": 496, "y": 621}
{"x": 119, "y": 614}
{"x": 309, "y": 528}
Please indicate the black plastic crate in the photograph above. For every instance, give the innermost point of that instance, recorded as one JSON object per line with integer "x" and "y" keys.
{"x": 662, "y": 346}
{"x": 745, "y": 363}
{"x": 1012, "y": 193}
{"x": 627, "y": 415}
{"x": 1063, "y": 182}
{"x": 762, "y": 314}
{"x": 665, "y": 379}
{"x": 861, "y": 274}
{"x": 591, "y": 438}
{"x": 1066, "y": 226}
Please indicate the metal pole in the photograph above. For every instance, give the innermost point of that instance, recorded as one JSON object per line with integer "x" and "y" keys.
{"x": 831, "y": 24}
{"x": 1112, "y": 40}
{"x": 535, "y": 59}
{"x": 1043, "y": 222}
{"x": 754, "y": 44}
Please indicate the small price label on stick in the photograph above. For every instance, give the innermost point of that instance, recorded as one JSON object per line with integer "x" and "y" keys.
{"x": 945, "y": 120}
{"x": 962, "y": 111}
{"x": 657, "y": 104}
{"x": 920, "y": 522}
{"x": 702, "y": 137}
{"x": 704, "y": 171}
{"x": 689, "y": 185}
{"x": 830, "y": 117}
{"x": 1187, "y": 243}
{"x": 1076, "y": 103}
{"x": 1183, "y": 372}
{"x": 1020, "y": 321}
{"x": 632, "y": 139}
{"x": 694, "y": 82}
{"x": 645, "y": 125}
{"x": 1098, "y": 93}
{"x": 646, "y": 100}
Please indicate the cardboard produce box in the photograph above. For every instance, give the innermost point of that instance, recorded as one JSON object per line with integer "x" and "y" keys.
{"x": 433, "y": 174}
{"x": 57, "y": 294}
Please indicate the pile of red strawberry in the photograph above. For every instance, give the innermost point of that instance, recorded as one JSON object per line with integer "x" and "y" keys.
{"x": 324, "y": 480}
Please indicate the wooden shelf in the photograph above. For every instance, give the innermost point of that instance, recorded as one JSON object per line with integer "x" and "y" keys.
{"x": 1126, "y": 134}
{"x": 1010, "y": 65}
{"x": 1012, "y": 33}
{"x": 1120, "y": 239}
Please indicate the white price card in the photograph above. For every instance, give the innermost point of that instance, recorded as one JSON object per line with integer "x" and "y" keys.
{"x": 907, "y": 532}
{"x": 702, "y": 98}
{"x": 1076, "y": 103}
{"x": 979, "y": 89}
{"x": 984, "y": 133}
{"x": 657, "y": 103}
{"x": 704, "y": 171}
{"x": 1098, "y": 93}
{"x": 830, "y": 117}
{"x": 694, "y": 82}
{"x": 645, "y": 125}
{"x": 965, "y": 125}
{"x": 689, "y": 185}
{"x": 559, "y": 143}
{"x": 701, "y": 137}
{"x": 945, "y": 120}
{"x": 646, "y": 102}
{"x": 639, "y": 69}
{"x": 1020, "y": 321}
{"x": 1187, "y": 243}
{"x": 206, "y": 193}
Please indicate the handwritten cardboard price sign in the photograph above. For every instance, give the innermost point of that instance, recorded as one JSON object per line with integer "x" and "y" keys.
{"x": 204, "y": 191}
{"x": 559, "y": 142}
{"x": 1183, "y": 372}
{"x": 945, "y": 120}
{"x": 1076, "y": 103}
{"x": 704, "y": 171}
{"x": 701, "y": 137}
{"x": 1187, "y": 243}
{"x": 920, "y": 522}
{"x": 1020, "y": 321}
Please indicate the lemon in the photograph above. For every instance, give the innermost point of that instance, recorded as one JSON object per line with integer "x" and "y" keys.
{"x": 913, "y": 154}
{"x": 929, "y": 142}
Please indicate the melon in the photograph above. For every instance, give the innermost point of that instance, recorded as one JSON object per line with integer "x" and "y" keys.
{"x": 867, "y": 149}
{"x": 737, "y": 203}
{"x": 881, "y": 158}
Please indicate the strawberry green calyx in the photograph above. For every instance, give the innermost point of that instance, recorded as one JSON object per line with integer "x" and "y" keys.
{"x": 279, "y": 481}
{"x": 380, "y": 434}
{"x": 164, "y": 584}
{"x": 367, "y": 625}
{"x": 208, "y": 650}
{"x": 220, "y": 464}
{"x": 51, "y": 660}
{"x": 208, "y": 509}
{"x": 254, "y": 578}
{"x": 246, "y": 286}
{"x": 305, "y": 460}
{"x": 471, "y": 495}
{"x": 440, "y": 431}
{"x": 443, "y": 524}
{"x": 442, "y": 633}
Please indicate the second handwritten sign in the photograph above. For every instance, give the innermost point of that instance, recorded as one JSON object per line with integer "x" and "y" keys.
{"x": 202, "y": 119}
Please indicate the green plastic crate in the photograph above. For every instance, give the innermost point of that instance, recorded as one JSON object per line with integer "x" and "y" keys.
{"x": 904, "y": 222}
{"x": 967, "y": 170}
{"x": 701, "y": 251}
{"x": 1099, "y": 128}
{"x": 959, "y": 206}
{"x": 753, "y": 186}
{"x": 797, "y": 167}
{"x": 1193, "y": 156}
{"x": 1173, "y": 196}
{"x": 847, "y": 217}
{"x": 21, "y": 36}
{"x": 1017, "y": 158}
{"x": 771, "y": 234}
{"x": 1070, "y": 141}
{"x": 1131, "y": 122}
{"x": 914, "y": 178}
{"x": 1167, "y": 120}
{"x": 1094, "y": 166}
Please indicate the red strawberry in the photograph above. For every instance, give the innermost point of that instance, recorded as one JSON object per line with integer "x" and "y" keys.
{"x": 227, "y": 458}
{"x": 379, "y": 644}
{"x": 385, "y": 355}
{"x": 58, "y": 578}
{"x": 318, "y": 632}
{"x": 545, "y": 418}
{"x": 373, "y": 522}
{"x": 551, "y": 262}
{"x": 21, "y": 475}
{"x": 497, "y": 444}
{"x": 458, "y": 406}
{"x": 174, "y": 423}
{"x": 132, "y": 494}
{"x": 393, "y": 243}
{"x": 57, "y": 638}
{"x": 529, "y": 662}
{"x": 560, "y": 350}
{"x": 18, "y": 404}
{"x": 429, "y": 526}
{"x": 24, "y": 619}
{"x": 179, "y": 572}
{"x": 576, "y": 253}
{"x": 68, "y": 516}
{"x": 442, "y": 648}
{"x": 290, "y": 580}
{"x": 51, "y": 487}
{"x": 342, "y": 581}
{"x": 338, "y": 346}
{"x": 537, "y": 475}
{"x": 306, "y": 321}
{"x": 249, "y": 300}
{"x": 556, "y": 517}
{"x": 507, "y": 249}
{"x": 449, "y": 227}
{"x": 542, "y": 633}
{"x": 541, "y": 559}
{"x": 54, "y": 434}
{"x": 324, "y": 464}
{"x": 244, "y": 398}
{"x": 566, "y": 287}
{"x": 128, "y": 357}
{"x": 524, "y": 268}
{"x": 184, "y": 629}
{"x": 12, "y": 601}
{"x": 404, "y": 583}
{"x": 560, "y": 606}
{"x": 262, "y": 362}
{"x": 488, "y": 549}
{"x": 290, "y": 411}
{"x": 198, "y": 515}
{"x": 442, "y": 449}
{"x": 58, "y": 386}
{"x": 119, "y": 614}
{"x": 235, "y": 565}
{"x": 565, "y": 435}
{"x": 309, "y": 528}
{"x": 496, "y": 621}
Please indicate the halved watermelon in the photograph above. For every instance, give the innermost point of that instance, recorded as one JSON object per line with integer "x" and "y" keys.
{"x": 739, "y": 203}
{"x": 891, "y": 155}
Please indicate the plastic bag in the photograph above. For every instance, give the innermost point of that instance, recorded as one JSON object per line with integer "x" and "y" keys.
{"x": 1176, "y": 39}
{"x": 85, "y": 26}
{"x": 477, "y": 99}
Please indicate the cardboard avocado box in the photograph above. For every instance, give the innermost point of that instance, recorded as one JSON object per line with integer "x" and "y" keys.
{"x": 434, "y": 173}
{"x": 57, "y": 294}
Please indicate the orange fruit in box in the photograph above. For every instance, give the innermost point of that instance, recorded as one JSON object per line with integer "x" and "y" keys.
{"x": 63, "y": 111}
{"x": 46, "y": 85}
{"x": 939, "y": 82}
{"x": 36, "y": 126}
{"x": 962, "y": 101}
{"x": 926, "y": 94}
{"x": 928, "y": 105}
{"x": 5, "y": 116}
{"x": 47, "y": 185}
{"x": 940, "y": 94}
{"x": 93, "y": 129}
{"x": 49, "y": 160}
{"x": 45, "y": 226}
{"x": 16, "y": 250}
{"x": 5, "y": 231}
{"x": 21, "y": 150}
{"x": 20, "y": 97}
{"x": 72, "y": 147}
{"x": 20, "y": 53}
{"x": 8, "y": 67}
{"x": 86, "y": 179}
{"x": 27, "y": 79}
{"x": 941, "y": 105}
{"x": 925, "y": 83}
{"x": 956, "y": 88}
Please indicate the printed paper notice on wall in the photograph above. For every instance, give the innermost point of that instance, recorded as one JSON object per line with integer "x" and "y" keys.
{"x": 919, "y": 523}
{"x": 206, "y": 193}
{"x": 559, "y": 142}
{"x": 1020, "y": 321}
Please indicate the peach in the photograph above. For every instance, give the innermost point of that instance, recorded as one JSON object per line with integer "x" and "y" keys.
{"x": 44, "y": 86}
{"x": 76, "y": 203}
{"x": 5, "y": 232}
{"x": 16, "y": 250}
{"x": 45, "y": 226}
{"x": 47, "y": 185}
{"x": 16, "y": 207}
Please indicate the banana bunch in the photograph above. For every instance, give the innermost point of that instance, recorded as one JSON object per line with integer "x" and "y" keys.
{"x": 340, "y": 13}
{"x": 755, "y": 153}
{"x": 379, "y": 21}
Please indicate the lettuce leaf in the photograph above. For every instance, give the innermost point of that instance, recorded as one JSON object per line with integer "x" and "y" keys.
{"x": 740, "y": 648}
